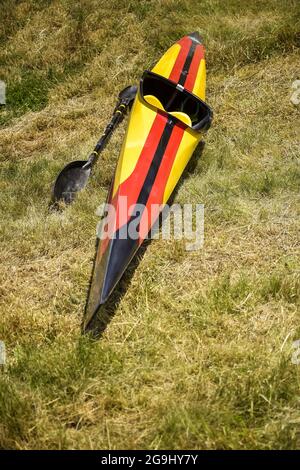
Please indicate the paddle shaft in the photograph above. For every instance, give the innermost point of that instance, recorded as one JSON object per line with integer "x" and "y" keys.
{"x": 115, "y": 120}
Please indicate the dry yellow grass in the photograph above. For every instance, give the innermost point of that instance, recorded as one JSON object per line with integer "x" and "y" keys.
{"x": 198, "y": 352}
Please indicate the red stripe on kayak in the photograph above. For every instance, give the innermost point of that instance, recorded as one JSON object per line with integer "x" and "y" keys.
{"x": 131, "y": 187}
{"x": 185, "y": 44}
{"x": 193, "y": 70}
{"x": 156, "y": 196}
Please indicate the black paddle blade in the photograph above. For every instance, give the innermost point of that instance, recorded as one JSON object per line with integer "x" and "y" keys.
{"x": 74, "y": 176}
{"x": 71, "y": 179}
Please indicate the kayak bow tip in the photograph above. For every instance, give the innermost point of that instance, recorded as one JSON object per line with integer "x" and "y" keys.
{"x": 195, "y": 36}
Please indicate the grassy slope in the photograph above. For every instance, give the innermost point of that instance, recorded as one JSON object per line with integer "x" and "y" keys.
{"x": 198, "y": 352}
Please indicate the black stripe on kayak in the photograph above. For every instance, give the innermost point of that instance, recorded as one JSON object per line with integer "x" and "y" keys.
{"x": 155, "y": 164}
{"x": 122, "y": 250}
{"x": 187, "y": 64}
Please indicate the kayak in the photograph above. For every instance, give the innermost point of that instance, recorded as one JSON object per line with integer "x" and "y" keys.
{"x": 167, "y": 121}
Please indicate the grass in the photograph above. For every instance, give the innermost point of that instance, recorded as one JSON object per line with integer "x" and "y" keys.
{"x": 198, "y": 353}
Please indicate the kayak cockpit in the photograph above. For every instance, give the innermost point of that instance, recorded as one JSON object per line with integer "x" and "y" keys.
{"x": 165, "y": 95}
{"x": 151, "y": 99}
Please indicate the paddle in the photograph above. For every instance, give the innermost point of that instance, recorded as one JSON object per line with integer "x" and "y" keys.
{"x": 75, "y": 175}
